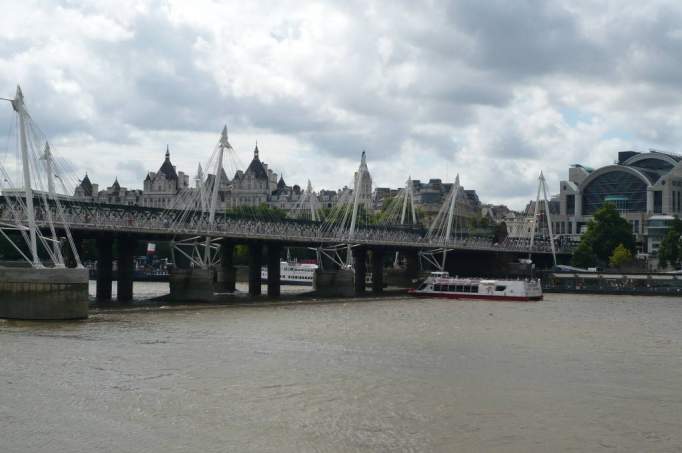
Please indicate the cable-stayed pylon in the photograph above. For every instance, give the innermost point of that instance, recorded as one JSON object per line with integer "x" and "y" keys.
{"x": 35, "y": 204}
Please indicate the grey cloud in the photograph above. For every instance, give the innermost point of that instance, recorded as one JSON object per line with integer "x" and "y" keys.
{"x": 448, "y": 62}
{"x": 133, "y": 170}
{"x": 525, "y": 38}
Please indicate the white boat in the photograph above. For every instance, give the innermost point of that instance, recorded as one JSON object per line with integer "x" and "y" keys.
{"x": 293, "y": 273}
{"x": 440, "y": 284}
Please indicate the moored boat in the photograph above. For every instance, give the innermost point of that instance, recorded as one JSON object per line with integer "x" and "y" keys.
{"x": 293, "y": 273}
{"x": 440, "y": 284}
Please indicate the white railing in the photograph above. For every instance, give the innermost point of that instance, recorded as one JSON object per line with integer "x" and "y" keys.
{"x": 109, "y": 219}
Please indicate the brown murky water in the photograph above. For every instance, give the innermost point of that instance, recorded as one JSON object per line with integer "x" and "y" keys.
{"x": 571, "y": 373}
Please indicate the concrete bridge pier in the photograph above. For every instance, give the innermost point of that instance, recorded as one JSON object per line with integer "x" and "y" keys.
{"x": 226, "y": 274}
{"x": 192, "y": 285}
{"x": 377, "y": 271}
{"x": 360, "y": 266}
{"x": 255, "y": 264}
{"x": 274, "y": 258}
{"x": 105, "y": 259}
{"x": 126, "y": 268}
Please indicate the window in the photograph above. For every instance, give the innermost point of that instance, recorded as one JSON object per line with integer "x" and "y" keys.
{"x": 674, "y": 205}
{"x": 570, "y": 204}
{"x": 658, "y": 202}
{"x": 625, "y": 190}
{"x": 500, "y": 288}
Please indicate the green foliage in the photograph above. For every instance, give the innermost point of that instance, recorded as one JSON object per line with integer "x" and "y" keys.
{"x": 605, "y": 232}
{"x": 670, "y": 251}
{"x": 500, "y": 232}
{"x": 620, "y": 257}
{"x": 241, "y": 250}
{"x": 584, "y": 256}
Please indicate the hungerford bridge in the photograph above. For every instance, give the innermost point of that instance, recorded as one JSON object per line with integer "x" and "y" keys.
{"x": 45, "y": 225}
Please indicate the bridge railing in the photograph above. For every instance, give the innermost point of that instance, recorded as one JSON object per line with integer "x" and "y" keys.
{"x": 119, "y": 218}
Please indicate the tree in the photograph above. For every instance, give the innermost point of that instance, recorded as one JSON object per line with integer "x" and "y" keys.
{"x": 584, "y": 256}
{"x": 500, "y": 232}
{"x": 669, "y": 251}
{"x": 620, "y": 256}
{"x": 261, "y": 212}
{"x": 605, "y": 232}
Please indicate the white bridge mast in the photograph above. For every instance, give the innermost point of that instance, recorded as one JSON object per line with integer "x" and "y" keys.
{"x": 20, "y": 108}
{"x": 542, "y": 188}
{"x": 451, "y": 214}
{"x": 214, "y": 195}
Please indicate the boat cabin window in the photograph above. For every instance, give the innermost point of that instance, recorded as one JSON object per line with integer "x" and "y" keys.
{"x": 438, "y": 287}
{"x": 500, "y": 288}
{"x": 422, "y": 286}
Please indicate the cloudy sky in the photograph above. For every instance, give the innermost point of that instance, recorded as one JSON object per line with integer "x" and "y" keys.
{"x": 493, "y": 90}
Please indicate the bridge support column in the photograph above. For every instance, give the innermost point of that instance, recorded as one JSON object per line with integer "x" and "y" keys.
{"x": 360, "y": 266}
{"x": 227, "y": 275}
{"x": 411, "y": 270}
{"x": 377, "y": 271}
{"x": 255, "y": 264}
{"x": 274, "y": 258}
{"x": 126, "y": 268}
{"x": 104, "y": 268}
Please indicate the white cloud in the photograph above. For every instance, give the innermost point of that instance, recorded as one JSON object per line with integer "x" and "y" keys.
{"x": 494, "y": 90}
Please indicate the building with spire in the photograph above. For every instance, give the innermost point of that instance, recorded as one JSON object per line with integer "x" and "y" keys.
{"x": 253, "y": 186}
{"x": 362, "y": 181}
{"x": 162, "y": 187}
{"x": 86, "y": 190}
{"x": 285, "y": 197}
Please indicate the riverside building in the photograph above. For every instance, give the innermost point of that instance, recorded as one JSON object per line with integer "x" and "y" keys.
{"x": 645, "y": 187}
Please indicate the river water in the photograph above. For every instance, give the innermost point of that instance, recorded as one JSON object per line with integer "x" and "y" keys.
{"x": 568, "y": 374}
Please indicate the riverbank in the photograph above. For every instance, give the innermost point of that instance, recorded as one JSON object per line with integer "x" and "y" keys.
{"x": 613, "y": 283}
{"x": 245, "y": 300}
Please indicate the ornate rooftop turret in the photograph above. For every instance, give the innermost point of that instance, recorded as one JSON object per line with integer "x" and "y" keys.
{"x": 167, "y": 167}
{"x": 86, "y": 185}
{"x": 256, "y": 166}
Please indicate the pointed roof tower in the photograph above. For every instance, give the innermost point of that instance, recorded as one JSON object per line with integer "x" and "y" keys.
{"x": 86, "y": 185}
{"x": 256, "y": 167}
{"x": 167, "y": 167}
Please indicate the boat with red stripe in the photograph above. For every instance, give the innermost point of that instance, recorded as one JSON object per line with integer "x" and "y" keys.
{"x": 440, "y": 284}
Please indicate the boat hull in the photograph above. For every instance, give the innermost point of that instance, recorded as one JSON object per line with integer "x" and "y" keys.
{"x": 441, "y": 295}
